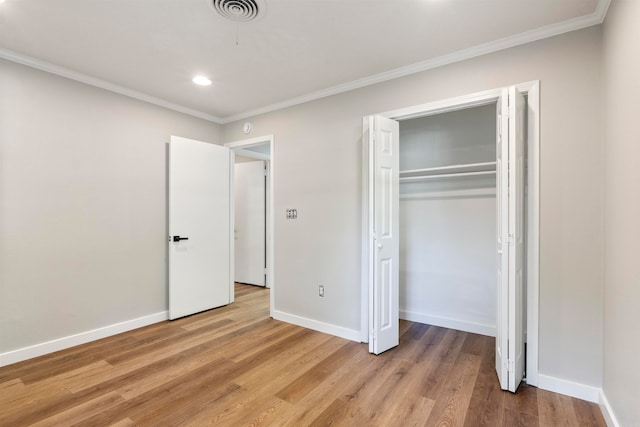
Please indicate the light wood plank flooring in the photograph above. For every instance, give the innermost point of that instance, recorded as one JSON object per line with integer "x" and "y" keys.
{"x": 234, "y": 366}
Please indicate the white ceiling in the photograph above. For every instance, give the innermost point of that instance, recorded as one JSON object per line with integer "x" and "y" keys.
{"x": 300, "y": 50}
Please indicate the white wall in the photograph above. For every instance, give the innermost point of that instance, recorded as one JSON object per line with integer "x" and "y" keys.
{"x": 622, "y": 211}
{"x": 82, "y": 205}
{"x": 448, "y": 226}
{"x": 458, "y": 137}
{"x": 448, "y": 260}
{"x": 317, "y": 169}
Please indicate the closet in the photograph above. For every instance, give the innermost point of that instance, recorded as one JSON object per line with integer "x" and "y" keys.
{"x": 448, "y": 219}
{"x": 451, "y": 219}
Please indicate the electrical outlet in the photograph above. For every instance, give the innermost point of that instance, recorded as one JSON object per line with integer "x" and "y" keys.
{"x": 292, "y": 213}
{"x": 321, "y": 291}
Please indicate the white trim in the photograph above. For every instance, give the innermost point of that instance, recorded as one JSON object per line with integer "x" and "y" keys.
{"x": 601, "y": 10}
{"x": 251, "y": 142}
{"x": 232, "y": 226}
{"x": 237, "y": 146}
{"x": 47, "y": 347}
{"x": 270, "y": 230}
{"x": 448, "y": 322}
{"x": 569, "y": 388}
{"x": 252, "y": 154}
{"x": 103, "y": 84}
{"x": 365, "y": 260}
{"x": 595, "y": 18}
{"x": 447, "y": 105}
{"x": 327, "y": 328}
{"x": 533, "y": 228}
{"x": 607, "y": 411}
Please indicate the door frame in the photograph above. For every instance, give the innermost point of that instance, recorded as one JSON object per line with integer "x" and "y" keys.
{"x": 255, "y": 273}
{"x": 532, "y": 90}
{"x": 240, "y": 147}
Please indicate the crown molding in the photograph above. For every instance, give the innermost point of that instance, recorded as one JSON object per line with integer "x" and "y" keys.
{"x": 601, "y": 10}
{"x": 102, "y": 84}
{"x": 595, "y": 18}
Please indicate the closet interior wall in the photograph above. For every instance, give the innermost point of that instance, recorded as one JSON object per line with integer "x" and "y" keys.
{"x": 448, "y": 219}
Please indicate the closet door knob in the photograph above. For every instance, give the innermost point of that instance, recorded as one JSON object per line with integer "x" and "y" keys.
{"x": 379, "y": 245}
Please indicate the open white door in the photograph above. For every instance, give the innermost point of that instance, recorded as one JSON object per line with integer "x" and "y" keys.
{"x": 200, "y": 225}
{"x": 510, "y": 239}
{"x": 250, "y": 222}
{"x": 517, "y": 110}
{"x": 502, "y": 240}
{"x": 383, "y": 201}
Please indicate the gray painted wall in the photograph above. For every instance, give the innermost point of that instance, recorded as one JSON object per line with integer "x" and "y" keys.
{"x": 317, "y": 169}
{"x": 621, "y": 381}
{"x": 82, "y": 205}
{"x": 448, "y": 225}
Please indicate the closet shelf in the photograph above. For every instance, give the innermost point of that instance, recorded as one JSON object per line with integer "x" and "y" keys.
{"x": 470, "y": 169}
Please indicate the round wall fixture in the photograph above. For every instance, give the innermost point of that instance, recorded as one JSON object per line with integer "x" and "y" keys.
{"x": 239, "y": 10}
{"x": 247, "y": 127}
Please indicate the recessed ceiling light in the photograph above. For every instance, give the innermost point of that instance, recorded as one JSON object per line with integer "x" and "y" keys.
{"x": 201, "y": 80}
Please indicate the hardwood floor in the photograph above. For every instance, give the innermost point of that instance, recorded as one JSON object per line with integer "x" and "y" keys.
{"x": 234, "y": 366}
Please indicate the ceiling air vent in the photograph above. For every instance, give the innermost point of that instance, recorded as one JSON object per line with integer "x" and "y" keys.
{"x": 239, "y": 10}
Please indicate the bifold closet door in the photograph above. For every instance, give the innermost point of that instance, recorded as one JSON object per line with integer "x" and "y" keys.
{"x": 384, "y": 252}
{"x": 510, "y": 238}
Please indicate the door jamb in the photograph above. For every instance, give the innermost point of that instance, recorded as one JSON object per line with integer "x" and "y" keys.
{"x": 240, "y": 147}
{"x": 532, "y": 90}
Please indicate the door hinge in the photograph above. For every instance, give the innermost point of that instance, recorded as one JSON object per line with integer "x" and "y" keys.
{"x": 511, "y": 239}
{"x": 511, "y": 367}
{"x": 265, "y": 271}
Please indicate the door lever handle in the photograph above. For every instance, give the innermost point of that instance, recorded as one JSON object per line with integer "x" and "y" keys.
{"x": 178, "y": 238}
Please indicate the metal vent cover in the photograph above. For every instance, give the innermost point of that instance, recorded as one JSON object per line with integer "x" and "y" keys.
{"x": 239, "y": 10}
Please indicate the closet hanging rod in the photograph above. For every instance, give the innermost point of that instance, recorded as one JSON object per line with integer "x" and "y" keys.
{"x": 445, "y": 175}
{"x": 468, "y": 167}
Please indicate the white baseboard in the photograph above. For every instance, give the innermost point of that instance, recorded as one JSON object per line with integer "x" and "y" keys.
{"x": 607, "y": 411}
{"x": 327, "y": 328}
{"x": 569, "y": 388}
{"x": 446, "y": 322}
{"x": 30, "y": 352}
{"x": 580, "y": 391}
